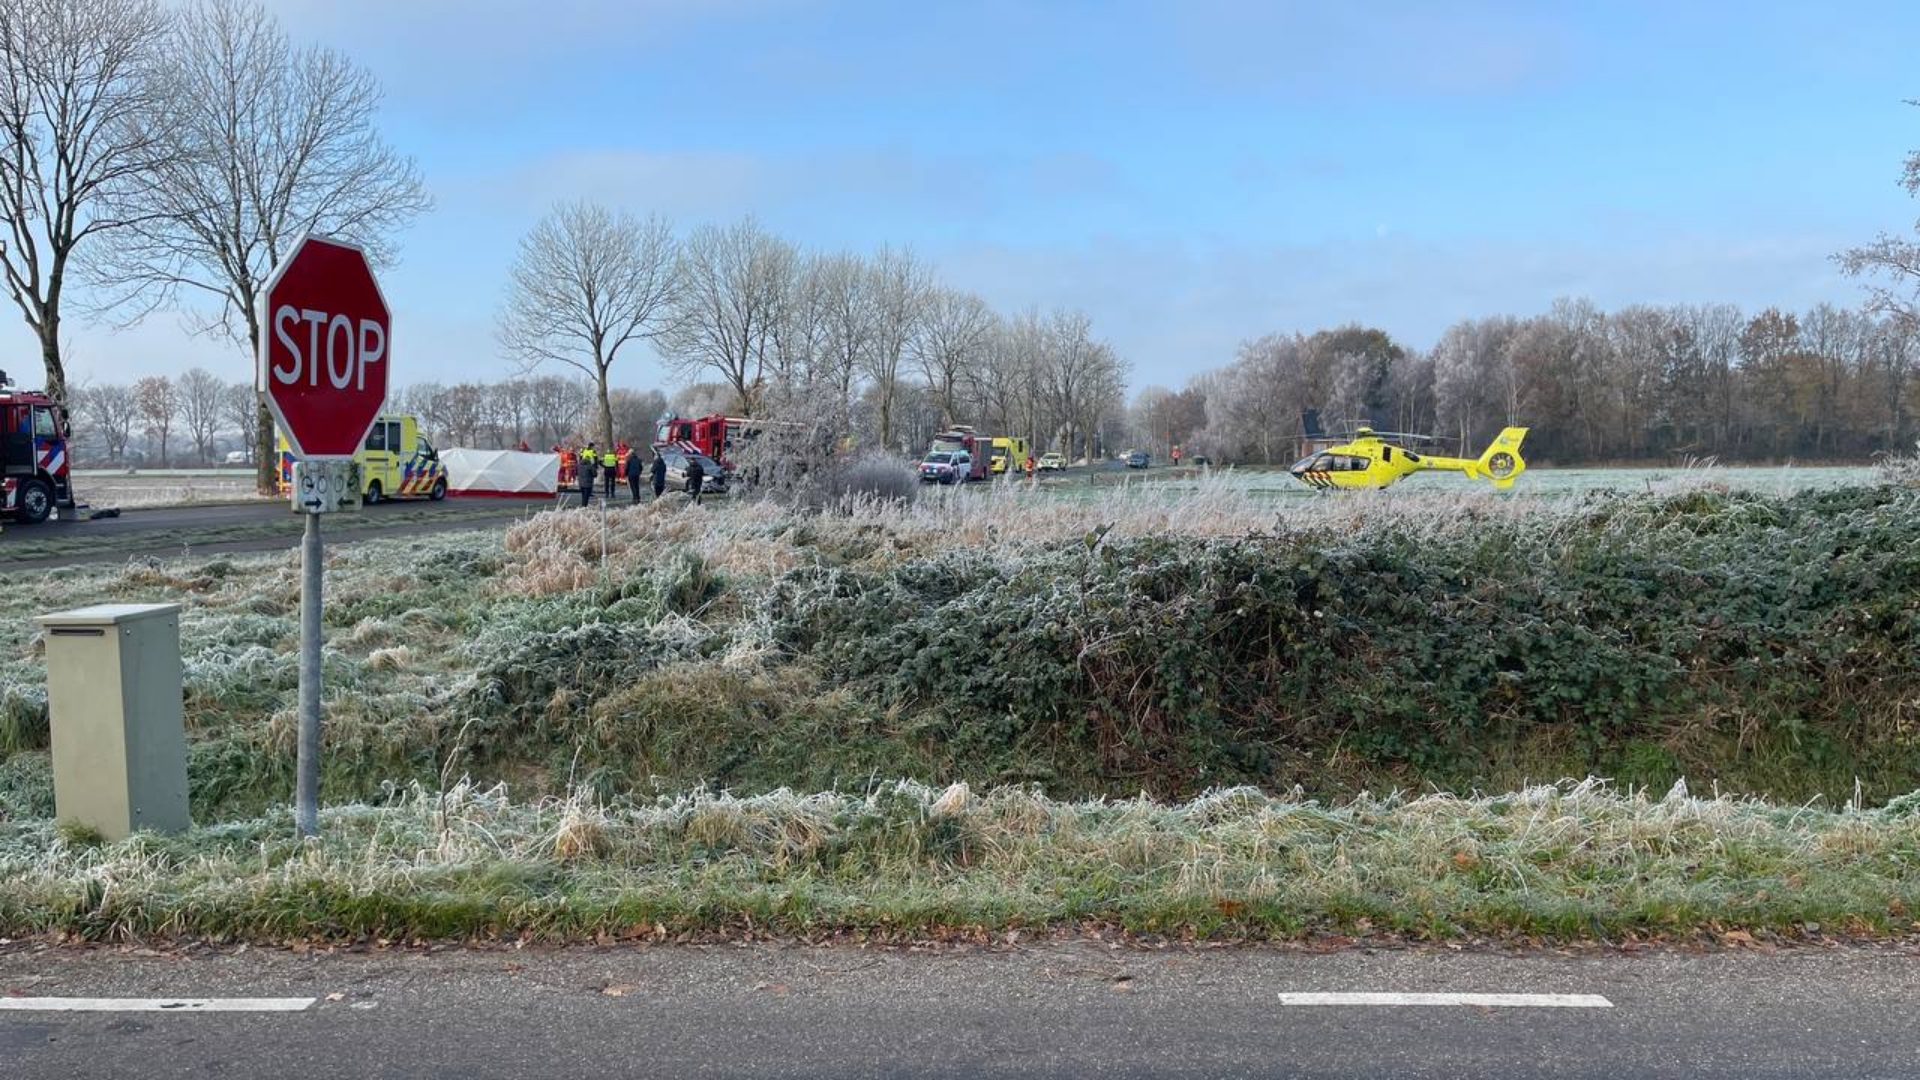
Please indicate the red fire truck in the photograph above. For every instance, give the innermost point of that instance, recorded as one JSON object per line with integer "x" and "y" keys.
{"x": 718, "y": 437}
{"x": 33, "y": 453}
{"x": 707, "y": 435}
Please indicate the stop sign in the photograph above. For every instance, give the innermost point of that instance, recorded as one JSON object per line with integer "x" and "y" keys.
{"x": 324, "y": 337}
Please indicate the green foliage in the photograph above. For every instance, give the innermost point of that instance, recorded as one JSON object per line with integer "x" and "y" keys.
{"x": 1790, "y": 625}
{"x": 1766, "y": 644}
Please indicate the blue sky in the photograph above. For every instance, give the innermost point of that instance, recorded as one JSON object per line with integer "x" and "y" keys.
{"x": 1191, "y": 174}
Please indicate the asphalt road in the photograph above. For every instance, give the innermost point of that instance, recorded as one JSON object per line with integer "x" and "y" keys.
{"x": 236, "y": 527}
{"x": 1080, "y": 1009}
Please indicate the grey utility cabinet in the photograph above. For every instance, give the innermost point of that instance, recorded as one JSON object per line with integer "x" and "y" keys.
{"x": 114, "y": 694}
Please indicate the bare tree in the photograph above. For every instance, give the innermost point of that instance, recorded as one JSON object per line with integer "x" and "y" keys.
{"x": 1893, "y": 262}
{"x": 464, "y": 413}
{"x": 508, "y": 408}
{"x": 158, "y": 405}
{"x": 636, "y": 414}
{"x": 266, "y": 143}
{"x": 109, "y": 411}
{"x": 899, "y": 288}
{"x": 555, "y": 405}
{"x": 240, "y": 407}
{"x": 199, "y": 394}
{"x": 848, "y": 312}
{"x": 951, "y": 344}
{"x": 733, "y": 281}
{"x": 588, "y": 283}
{"x": 73, "y": 85}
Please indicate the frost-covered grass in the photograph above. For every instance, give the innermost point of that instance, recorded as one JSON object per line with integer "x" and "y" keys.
{"x": 1565, "y": 861}
{"x": 1166, "y": 639}
{"x": 657, "y": 703}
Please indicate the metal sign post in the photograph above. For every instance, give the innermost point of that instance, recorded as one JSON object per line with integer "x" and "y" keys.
{"x": 324, "y": 352}
{"x": 319, "y": 487}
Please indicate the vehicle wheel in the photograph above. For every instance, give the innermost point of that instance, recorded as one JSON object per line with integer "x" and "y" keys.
{"x": 373, "y": 494}
{"x": 439, "y": 491}
{"x": 34, "y": 501}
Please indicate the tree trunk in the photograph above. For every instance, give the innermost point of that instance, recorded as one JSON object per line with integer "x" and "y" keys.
{"x": 606, "y": 409}
{"x": 56, "y": 387}
{"x": 266, "y": 457}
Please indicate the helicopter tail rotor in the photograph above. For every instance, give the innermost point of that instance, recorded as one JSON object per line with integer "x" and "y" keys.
{"x": 1502, "y": 461}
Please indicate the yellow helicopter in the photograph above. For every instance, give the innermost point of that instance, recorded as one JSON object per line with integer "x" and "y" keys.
{"x": 1370, "y": 461}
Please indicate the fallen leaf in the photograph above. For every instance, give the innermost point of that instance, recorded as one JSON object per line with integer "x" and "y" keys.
{"x": 617, "y": 989}
{"x": 1737, "y": 937}
{"x": 336, "y": 996}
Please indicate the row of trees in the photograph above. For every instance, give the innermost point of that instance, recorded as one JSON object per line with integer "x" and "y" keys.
{"x": 1640, "y": 383}
{"x": 868, "y": 345}
{"x": 198, "y": 408}
{"x": 193, "y": 419}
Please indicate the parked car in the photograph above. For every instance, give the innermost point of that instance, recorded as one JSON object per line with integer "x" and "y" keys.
{"x": 945, "y": 467}
{"x": 1051, "y": 462}
{"x": 713, "y": 480}
{"x": 1202, "y": 460}
{"x": 1136, "y": 459}
{"x": 239, "y": 457}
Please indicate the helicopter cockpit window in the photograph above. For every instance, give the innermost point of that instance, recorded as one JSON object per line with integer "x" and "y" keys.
{"x": 1349, "y": 463}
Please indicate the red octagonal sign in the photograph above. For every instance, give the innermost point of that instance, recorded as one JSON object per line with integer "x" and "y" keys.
{"x": 324, "y": 337}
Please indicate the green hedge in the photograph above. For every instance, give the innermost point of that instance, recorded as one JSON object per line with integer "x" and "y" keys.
{"x": 1763, "y": 638}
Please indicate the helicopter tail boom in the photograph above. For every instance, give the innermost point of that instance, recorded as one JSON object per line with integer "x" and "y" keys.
{"x": 1499, "y": 465}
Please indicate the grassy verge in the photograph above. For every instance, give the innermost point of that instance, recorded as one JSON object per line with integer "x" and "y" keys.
{"x": 1564, "y": 862}
{"x": 1170, "y": 641}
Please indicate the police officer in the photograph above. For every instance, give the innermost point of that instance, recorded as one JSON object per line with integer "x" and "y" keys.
{"x": 589, "y": 463}
{"x": 610, "y": 462}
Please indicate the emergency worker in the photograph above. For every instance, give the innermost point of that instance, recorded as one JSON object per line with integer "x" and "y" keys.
{"x": 659, "y": 474}
{"x": 633, "y": 472}
{"x": 610, "y": 463}
{"x": 589, "y": 465}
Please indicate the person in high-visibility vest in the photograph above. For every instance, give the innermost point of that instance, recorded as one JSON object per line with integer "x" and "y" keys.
{"x": 610, "y": 465}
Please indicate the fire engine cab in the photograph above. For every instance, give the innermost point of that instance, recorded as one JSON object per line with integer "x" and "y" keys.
{"x": 720, "y": 437}
{"x": 33, "y": 452}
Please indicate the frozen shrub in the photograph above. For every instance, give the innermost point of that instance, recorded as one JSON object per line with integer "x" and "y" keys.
{"x": 1902, "y": 469}
{"x": 873, "y": 480}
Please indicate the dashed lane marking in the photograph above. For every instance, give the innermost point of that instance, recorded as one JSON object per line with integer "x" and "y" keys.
{"x": 183, "y": 1005}
{"x": 1490, "y": 1001}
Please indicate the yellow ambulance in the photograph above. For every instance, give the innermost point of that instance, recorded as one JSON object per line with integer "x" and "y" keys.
{"x": 396, "y": 462}
{"x": 1009, "y": 454}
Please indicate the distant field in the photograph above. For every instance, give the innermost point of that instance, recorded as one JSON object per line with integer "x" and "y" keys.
{"x": 102, "y": 488}
{"x": 1779, "y": 480}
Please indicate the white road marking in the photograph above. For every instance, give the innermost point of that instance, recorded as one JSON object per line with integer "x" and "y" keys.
{"x": 1491, "y": 1001}
{"x": 184, "y": 1005}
